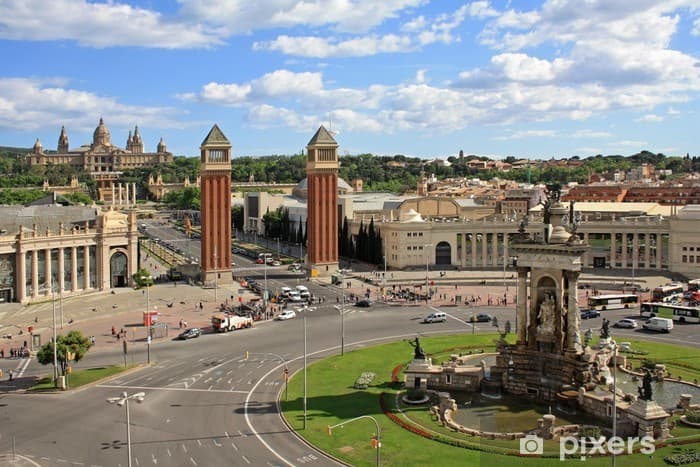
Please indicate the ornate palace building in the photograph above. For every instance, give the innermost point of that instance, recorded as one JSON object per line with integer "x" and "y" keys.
{"x": 101, "y": 159}
{"x": 67, "y": 250}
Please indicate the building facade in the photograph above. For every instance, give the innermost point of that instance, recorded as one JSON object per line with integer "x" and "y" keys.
{"x": 101, "y": 159}
{"x": 322, "y": 167}
{"x": 216, "y": 207}
{"x": 66, "y": 250}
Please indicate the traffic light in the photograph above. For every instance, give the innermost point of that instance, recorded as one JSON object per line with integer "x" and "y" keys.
{"x": 375, "y": 443}
{"x": 286, "y": 374}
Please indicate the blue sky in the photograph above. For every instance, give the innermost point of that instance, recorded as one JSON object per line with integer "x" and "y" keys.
{"x": 423, "y": 78}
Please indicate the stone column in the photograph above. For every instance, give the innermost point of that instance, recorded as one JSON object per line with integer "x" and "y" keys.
{"x": 473, "y": 252}
{"x": 505, "y": 248}
{"x": 114, "y": 194}
{"x": 494, "y": 249}
{"x": 635, "y": 250}
{"x": 573, "y": 341}
{"x": 120, "y": 194}
{"x": 613, "y": 249}
{"x": 86, "y": 267}
{"x": 522, "y": 306}
{"x": 133, "y": 193}
{"x": 61, "y": 270}
{"x": 35, "y": 273}
{"x": 484, "y": 248}
{"x": 647, "y": 250}
{"x": 20, "y": 278}
{"x": 74, "y": 269}
{"x": 47, "y": 264}
{"x": 587, "y": 255}
{"x": 624, "y": 250}
{"x": 463, "y": 259}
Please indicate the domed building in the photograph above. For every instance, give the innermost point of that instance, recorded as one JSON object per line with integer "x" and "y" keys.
{"x": 101, "y": 159}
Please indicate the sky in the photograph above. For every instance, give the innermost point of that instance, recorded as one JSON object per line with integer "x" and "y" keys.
{"x": 424, "y": 78}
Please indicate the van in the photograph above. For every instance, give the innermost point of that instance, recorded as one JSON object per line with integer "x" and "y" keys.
{"x": 303, "y": 291}
{"x": 437, "y": 317}
{"x": 659, "y": 324}
{"x": 284, "y": 291}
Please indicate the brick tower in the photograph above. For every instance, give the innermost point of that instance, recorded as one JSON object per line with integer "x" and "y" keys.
{"x": 322, "y": 176}
{"x": 216, "y": 208}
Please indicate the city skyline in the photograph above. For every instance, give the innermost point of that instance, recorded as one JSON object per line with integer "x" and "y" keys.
{"x": 535, "y": 79}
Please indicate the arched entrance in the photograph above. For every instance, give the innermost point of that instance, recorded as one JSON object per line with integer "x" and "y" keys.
{"x": 443, "y": 253}
{"x": 118, "y": 271}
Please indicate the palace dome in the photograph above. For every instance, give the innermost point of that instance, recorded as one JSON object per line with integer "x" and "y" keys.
{"x": 101, "y": 135}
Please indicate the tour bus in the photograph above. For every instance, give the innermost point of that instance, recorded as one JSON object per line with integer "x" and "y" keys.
{"x": 682, "y": 314}
{"x": 667, "y": 293}
{"x": 612, "y": 302}
{"x": 693, "y": 285}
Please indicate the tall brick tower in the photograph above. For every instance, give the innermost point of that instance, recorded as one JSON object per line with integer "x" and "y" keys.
{"x": 216, "y": 207}
{"x": 322, "y": 209}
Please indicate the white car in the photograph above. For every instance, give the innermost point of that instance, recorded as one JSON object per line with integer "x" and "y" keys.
{"x": 286, "y": 314}
{"x": 294, "y": 297}
{"x": 626, "y": 323}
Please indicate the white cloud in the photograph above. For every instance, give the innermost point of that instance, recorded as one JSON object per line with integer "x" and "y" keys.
{"x": 30, "y": 104}
{"x": 100, "y": 25}
{"x": 673, "y": 111}
{"x": 239, "y": 16}
{"x": 324, "y": 47}
{"x": 417, "y": 33}
{"x": 481, "y": 10}
{"x": 520, "y": 134}
{"x": 420, "y": 76}
{"x": 696, "y": 27}
{"x": 591, "y": 134}
{"x": 628, "y": 144}
{"x": 650, "y": 118}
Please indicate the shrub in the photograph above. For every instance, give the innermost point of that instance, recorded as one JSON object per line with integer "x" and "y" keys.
{"x": 415, "y": 394}
{"x": 693, "y": 415}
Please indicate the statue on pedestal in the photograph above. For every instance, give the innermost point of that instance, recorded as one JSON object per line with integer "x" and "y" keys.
{"x": 545, "y": 317}
{"x": 419, "y": 354}
{"x": 605, "y": 329}
{"x": 645, "y": 389}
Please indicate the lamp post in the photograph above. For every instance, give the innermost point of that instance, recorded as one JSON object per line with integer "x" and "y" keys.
{"x": 342, "y": 313}
{"x": 55, "y": 353}
{"x": 329, "y": 429}
{"x": 123, "y": 400}
{"x": 216, "y": 278}
{"x": 614, "y": 402}
{"x": 304, "y": 313}
{"x": 427, "y": 283}
{"x": 265, "y": 291}
{"x": 149, "y": 317}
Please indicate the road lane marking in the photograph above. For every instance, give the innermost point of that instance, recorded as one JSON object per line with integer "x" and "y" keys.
{"x": 226, "y": 433}
{"x": 246, "y": 459}
{"x": 193, "y": 462}
{"x": 234, "y": 445}
{"x": 151, "y": 388}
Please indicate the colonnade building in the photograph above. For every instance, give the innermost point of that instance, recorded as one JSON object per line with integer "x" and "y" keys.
{"x": 67, "y": 250}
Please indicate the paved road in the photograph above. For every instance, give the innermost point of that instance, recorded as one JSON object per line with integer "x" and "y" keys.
{"x": 206, "y": 405}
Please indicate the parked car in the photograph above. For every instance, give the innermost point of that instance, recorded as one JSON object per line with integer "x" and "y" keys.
{"x": 190, "y": 333}
{"x": 276, "y": 263}
{"x": 260, "y": 261}
{"x": 294, "y": 296}
{"x": 437, "y": 317}
{"x": 626, "y": 323}
{"x": 295, "y": 267}
{"x": 480, "y": 318}
{"x": 286, "y": 314}
{"x": 658, "y": 324}
{"x": 588, "y": 314}
{"x": 363, "y": 304}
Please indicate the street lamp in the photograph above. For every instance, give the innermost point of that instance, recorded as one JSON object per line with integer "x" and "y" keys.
{"x": 614, "y": 402}
{"x": 55, "y": 353}
{"x": 303, "y": 311}
{"x": 149, "y": 317}
{"x": 427, "y": 283}
{"x": 123, "y": 400}
{"x": 329, "y": 429}
{"x": 342, "y": 313}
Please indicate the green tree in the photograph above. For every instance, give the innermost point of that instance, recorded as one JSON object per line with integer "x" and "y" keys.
{"x": 74, "y": 342}
{"x": 141, "y": 278}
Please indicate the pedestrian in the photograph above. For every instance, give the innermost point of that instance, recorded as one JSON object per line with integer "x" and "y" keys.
{"x": 11, "y": 373}
{"x": 180, "y": 323}
{"x": 114, "y": 331}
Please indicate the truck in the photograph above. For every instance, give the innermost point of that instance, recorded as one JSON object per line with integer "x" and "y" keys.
{"x": 223, "y": 323}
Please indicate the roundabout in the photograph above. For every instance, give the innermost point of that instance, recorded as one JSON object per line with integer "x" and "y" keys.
{"x": 412, "y": 434}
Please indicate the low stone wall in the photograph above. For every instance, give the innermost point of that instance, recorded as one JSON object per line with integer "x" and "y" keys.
{"x": 447, "y": 420}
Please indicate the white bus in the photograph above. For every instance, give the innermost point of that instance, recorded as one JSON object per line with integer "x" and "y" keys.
{"x": 612, "y": 302}
{"x": 693, "y": 285}
{"x": 682, "y": 314}
{"x": 667, "y": 293}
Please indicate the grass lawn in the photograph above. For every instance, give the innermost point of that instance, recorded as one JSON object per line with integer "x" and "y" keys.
{"x": 683, "y": 361}
{"x": 332, "y": 399}
{"x": 80, "y": 377}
